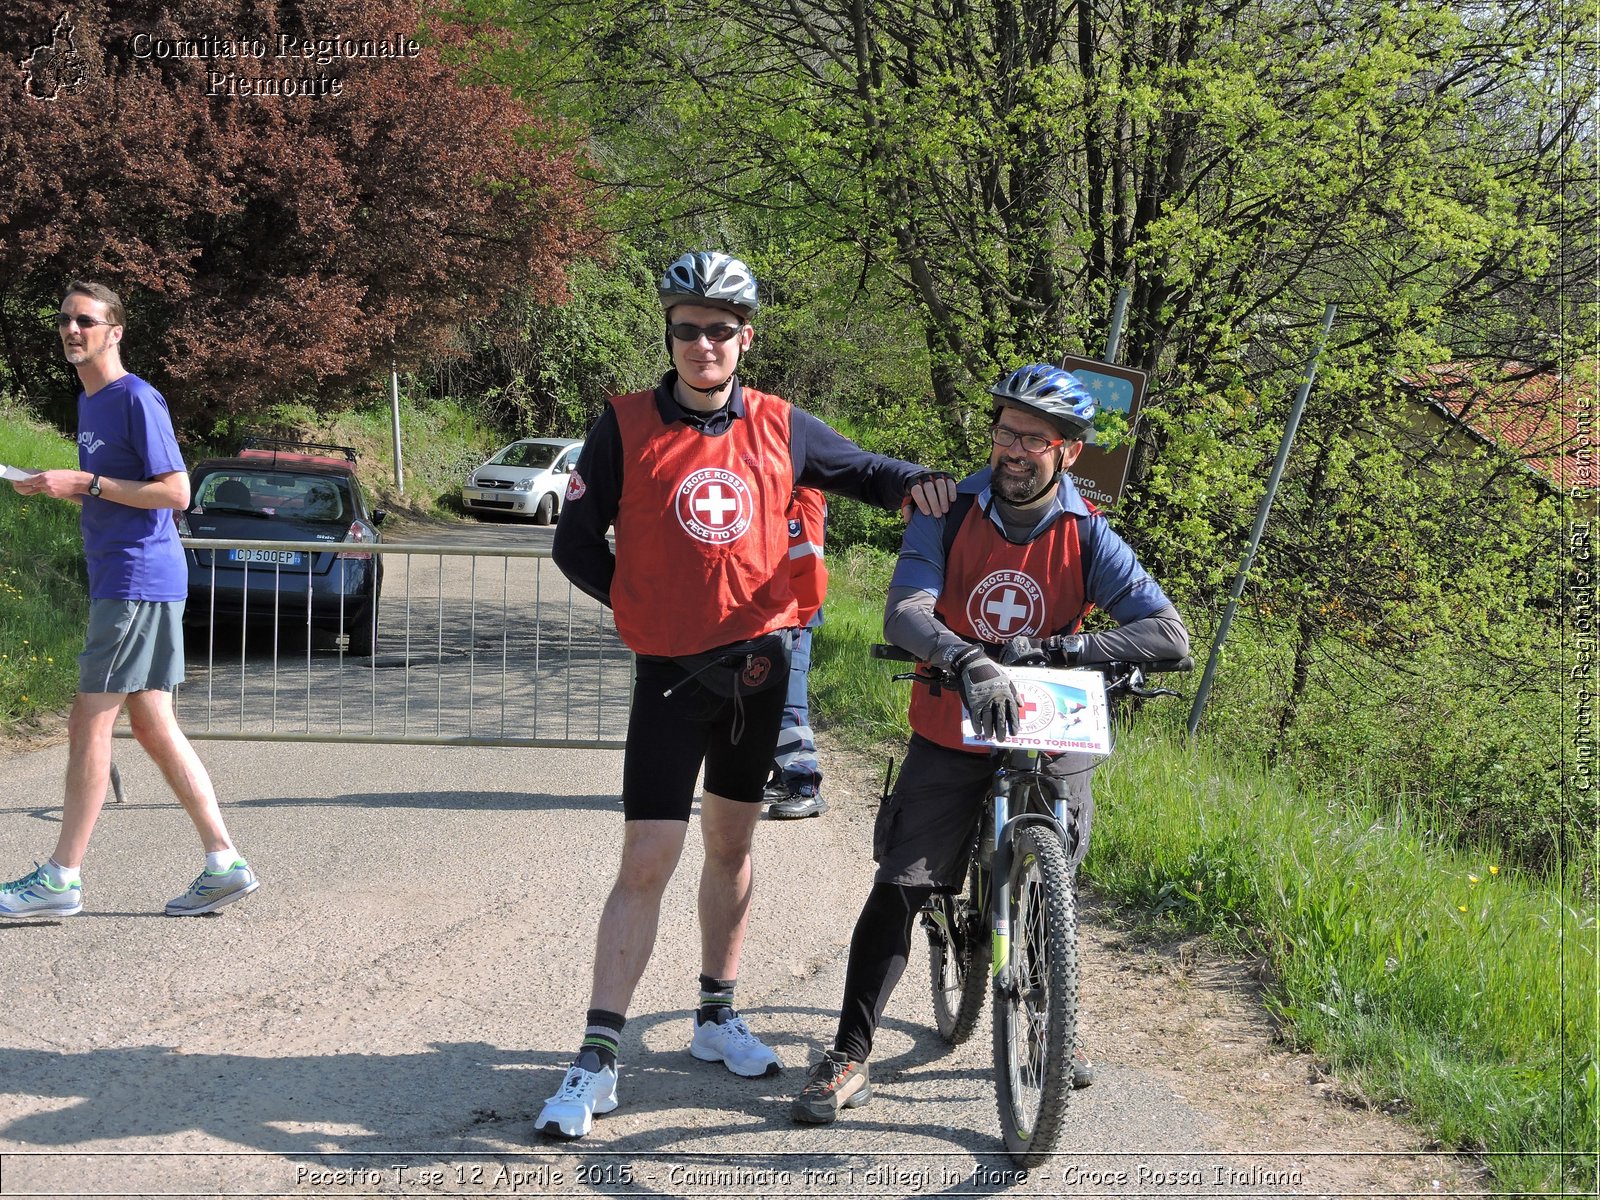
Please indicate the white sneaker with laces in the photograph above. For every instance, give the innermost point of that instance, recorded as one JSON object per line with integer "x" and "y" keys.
{"x": 735, "y": 1047}
{"x": 570, "y": 1113}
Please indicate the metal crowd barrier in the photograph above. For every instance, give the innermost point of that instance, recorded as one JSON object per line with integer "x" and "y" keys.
{"x": 475, "y": 646}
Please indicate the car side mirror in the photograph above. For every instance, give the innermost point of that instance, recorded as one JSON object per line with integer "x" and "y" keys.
{"x": 379, "y": 516}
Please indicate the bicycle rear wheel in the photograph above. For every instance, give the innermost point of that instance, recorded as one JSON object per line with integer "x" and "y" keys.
{"x": 1036, "y": 998}
{"x": 958, "y": 972}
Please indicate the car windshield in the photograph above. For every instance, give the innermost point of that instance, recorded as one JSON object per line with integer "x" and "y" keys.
{"x": 275, "y": 494}
{"x": 527, "y": 454}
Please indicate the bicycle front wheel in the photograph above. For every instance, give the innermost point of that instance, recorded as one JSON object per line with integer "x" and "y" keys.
{"x": 1036, "y": 998}
{"x": 958, "y": 972}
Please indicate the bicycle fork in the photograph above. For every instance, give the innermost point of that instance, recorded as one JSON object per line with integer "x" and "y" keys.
{"x": 1003, "y": 835}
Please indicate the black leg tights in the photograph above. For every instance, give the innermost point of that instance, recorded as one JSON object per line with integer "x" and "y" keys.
{"x": 878, "y": 951}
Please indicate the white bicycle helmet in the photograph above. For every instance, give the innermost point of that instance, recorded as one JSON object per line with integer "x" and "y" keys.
{"x": 710, "y": 277}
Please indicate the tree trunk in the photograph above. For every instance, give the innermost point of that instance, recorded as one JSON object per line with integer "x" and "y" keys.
{"x": 1299, "y": 678}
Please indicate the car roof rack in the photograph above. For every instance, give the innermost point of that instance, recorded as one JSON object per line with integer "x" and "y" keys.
{"x": 260, "y": 445}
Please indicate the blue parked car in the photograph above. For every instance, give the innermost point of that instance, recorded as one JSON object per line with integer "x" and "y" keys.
{"x": 285, "y": 492}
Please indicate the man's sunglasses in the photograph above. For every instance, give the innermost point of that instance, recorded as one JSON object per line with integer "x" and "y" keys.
{"x": 683, "y": 331}
{"x": 65, "y": 319}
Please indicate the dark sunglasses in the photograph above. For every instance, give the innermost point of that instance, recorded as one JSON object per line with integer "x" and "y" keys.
{"x": 65, "y": 319}
{"x": 683, "y": 331}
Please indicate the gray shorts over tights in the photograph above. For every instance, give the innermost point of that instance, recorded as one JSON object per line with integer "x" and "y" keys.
{"x": 926, "y": 828}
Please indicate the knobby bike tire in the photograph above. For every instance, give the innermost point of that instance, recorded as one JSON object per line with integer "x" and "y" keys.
{"x": 957, "y": 969}
{"x": 1036, "y": 998}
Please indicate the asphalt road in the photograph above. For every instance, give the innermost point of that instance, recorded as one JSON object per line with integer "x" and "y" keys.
{"x": 385, "y": 1016}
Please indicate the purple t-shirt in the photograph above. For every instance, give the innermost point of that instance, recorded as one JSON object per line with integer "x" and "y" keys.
{"x": 125, "y": 432}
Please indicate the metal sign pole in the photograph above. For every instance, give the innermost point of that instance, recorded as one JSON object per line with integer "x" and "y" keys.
{"x": 1119, "y": 312}
{"x": 394, "y": 419}
{"x": 1261, "y": 521}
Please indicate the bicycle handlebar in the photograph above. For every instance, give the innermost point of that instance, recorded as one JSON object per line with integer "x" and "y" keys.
{"x": 1159, "y": 667}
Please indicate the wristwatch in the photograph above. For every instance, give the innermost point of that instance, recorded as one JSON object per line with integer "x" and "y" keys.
{"x": 94, "y": 486}
{"x": 1072, "y": 649}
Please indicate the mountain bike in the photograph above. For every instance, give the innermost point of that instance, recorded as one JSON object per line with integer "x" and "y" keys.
{"x": 1019, "y": 883}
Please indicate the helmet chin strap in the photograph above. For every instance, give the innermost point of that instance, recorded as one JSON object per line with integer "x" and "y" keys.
{"x": 716, "y": 387}
{"x": 1050, "y": 486}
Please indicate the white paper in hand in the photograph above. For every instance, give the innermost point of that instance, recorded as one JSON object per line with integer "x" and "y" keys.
{"x": 15, "y": 472}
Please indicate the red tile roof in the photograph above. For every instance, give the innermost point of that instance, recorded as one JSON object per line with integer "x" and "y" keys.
{"x": 1550, "y": 419}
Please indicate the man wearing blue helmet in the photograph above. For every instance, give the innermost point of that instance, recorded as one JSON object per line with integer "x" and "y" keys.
{"x": 1011, "y": 569}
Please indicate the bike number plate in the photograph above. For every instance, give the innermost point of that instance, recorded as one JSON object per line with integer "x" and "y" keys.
{"x": 1061, "y": 711}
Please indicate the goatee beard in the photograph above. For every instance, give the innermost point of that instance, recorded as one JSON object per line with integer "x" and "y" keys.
{"x": 1017, "y": 489}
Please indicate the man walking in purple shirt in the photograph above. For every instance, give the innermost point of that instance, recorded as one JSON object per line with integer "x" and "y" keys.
{"x": 130, "y": 480}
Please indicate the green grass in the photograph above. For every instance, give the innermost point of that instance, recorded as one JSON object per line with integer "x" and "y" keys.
{"x": 43, "y": 605}
{"x": 1439, "y": 982}
{"x": 867, "y": 706}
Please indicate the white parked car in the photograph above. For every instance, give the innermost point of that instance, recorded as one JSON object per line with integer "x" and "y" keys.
{"x": 528, "y": 478}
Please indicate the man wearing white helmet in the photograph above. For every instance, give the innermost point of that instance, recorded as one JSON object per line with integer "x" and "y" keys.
{"x": 695, "y": 478}
{"x": 1020, "y": 520}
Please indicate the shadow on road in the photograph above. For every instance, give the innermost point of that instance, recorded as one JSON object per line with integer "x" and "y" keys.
{"x": 450, "y": 801}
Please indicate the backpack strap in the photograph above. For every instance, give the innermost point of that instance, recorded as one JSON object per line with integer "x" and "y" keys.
{"x": 954, "y": 519}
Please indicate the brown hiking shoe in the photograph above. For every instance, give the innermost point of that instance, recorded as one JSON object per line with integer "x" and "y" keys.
{"x": 834, "y": 1083}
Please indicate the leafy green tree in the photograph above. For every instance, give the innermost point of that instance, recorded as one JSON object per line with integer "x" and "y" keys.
{"x": 994, "y": 172}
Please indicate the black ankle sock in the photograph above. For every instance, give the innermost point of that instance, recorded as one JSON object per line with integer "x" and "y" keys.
{"x": 716, "y": 1000}
{"x": 601, "y": 1039}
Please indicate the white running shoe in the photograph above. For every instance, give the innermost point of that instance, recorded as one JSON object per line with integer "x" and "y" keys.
{"x": 211, "y": 891}
{"x": 570, "y": 1113}
{"x": 35, "y": 896}
{"x": 735, "y": 1047}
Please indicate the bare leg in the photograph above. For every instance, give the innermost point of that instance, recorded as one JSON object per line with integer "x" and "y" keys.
{"x": 156, "y": 728}
{"x": 727, "y": 828}
{"x": 627, "y": 934}
{"x": 94, "y": 715}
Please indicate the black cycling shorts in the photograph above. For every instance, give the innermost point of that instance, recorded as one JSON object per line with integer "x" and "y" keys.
{"x": 670, "y": 737}
{"x": 927, "y": 828}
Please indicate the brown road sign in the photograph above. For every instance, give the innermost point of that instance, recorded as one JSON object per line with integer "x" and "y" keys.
{"x": 1100, "y": 474}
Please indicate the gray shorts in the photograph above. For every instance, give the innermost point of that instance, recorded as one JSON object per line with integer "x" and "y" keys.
{"x": 132, "y": 646}
{"x": 927, "y": 827}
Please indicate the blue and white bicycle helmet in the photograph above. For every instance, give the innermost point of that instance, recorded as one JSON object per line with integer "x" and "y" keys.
{"x": 710, "y": 277}
{"x": 1055, "y": 394}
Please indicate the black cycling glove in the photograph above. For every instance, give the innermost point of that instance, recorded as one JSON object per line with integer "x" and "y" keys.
{"x": 1024, "y": 651}
{"x": 1063, "y": 650}
{"x": 987, "y": 692}
{"x": 927, "y": 477}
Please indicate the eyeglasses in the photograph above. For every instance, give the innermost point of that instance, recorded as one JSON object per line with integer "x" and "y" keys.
{"x": 683, "y": 331}
{"x": 1033, "y": 443}
{"x": 82, "y": 322}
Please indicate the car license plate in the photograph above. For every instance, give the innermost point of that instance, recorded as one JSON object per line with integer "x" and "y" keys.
{"x": 285, "y": 558}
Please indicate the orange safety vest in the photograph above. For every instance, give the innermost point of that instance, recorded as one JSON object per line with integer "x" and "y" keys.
{"x": 808, "y": 572}
{"x": 702, "y": 540}
{"x": 995, "y": 590}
